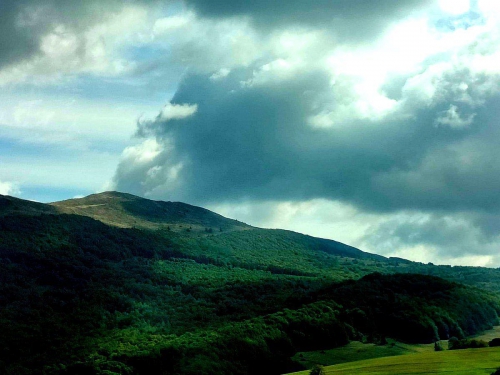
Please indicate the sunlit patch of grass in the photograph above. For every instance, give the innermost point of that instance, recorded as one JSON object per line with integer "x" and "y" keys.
{"x": 460, "y": 362}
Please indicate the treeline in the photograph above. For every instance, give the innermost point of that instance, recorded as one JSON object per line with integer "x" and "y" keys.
{"x": 414, "y": 308}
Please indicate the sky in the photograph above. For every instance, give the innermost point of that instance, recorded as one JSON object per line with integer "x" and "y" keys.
{"x": 374, "y": 123}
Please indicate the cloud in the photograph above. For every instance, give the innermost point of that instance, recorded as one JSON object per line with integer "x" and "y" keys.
{"x": 220, "y": 74}
{"x": 401, "y": 131}
{"x": 207, "y": 45}
{"x": 243, "y": 139}
{"x": 9, "y": 188}
{"x": 43, "y": 41}
{"x": 57, "y": 170}
{"x": 455, "y": 239}
{"x": 377, "y": 116}
{"x": 351, "y": 20}
{"x": 452, "y": 118}
{"x": 318, "y": 217}
{"x": 68, "y": 121}
{"x": 178, "y": 111}
{"x": 455, "y": 7}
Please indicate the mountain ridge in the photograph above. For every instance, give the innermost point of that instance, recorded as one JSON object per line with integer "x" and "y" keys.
{"x": 13, "y": 205}
{"x": 127, "y": 211}
{"x": 124, "y": 210}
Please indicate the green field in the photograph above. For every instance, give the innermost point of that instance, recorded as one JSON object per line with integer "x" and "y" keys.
{"x": 358, "y": 351}
{"x": 489, "y": 334}
{"x": 459, "y": 362}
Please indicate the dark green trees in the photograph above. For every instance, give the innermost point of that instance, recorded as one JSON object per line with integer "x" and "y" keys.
{"x": 317, "y": 370}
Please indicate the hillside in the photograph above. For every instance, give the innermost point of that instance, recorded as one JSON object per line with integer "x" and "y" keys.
{"x": 116, "y": 284}
{"x": 15, "y": 206}
{"x": 126, "y": 210}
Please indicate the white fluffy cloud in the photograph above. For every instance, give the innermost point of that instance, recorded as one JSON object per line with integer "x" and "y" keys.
{"x": 178, "y": 111}
{"x": 8, "y": 188}
{"x": 455, "y": 7}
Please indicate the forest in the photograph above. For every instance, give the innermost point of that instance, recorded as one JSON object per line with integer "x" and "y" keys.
{"x": 81, "y": 296}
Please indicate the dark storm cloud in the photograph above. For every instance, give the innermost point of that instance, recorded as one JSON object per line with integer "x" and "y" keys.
{"x": 16, "y": 42}
{"x": 352, "y": 19}
{"x": 255, "y": 143}
{"x": 251, "y": 138}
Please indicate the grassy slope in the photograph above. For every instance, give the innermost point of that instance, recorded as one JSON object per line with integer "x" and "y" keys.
{"x": 127, "y": 211}
{"x": 358, "y": 351}
{"x": 459, "y": 362}
{"x": 489, "y": 334}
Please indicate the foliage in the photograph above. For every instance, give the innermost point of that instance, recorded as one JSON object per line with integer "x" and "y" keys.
{"x": 438, "y": 347}
{"x": 413, "y": 308}
{"x": 79, "y": 296}
{"x": 454, "y": 344}
{"x": 317, "y": 370}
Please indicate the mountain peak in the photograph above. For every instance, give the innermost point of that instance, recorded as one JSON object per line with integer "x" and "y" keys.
{"x": 127, "y": 210}
{"x": 101, "y": 196}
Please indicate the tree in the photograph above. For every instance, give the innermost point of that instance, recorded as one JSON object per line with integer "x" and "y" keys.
{"x": 495, "y": 342}
{"x": 437, "y": 346}
{"x": 317, "y": 370}
{"x": 453, "y": 343}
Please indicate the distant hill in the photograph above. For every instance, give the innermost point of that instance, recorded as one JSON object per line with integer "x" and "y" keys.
{"x": 127, "y": 211}
{"x": 117, "y": 284}
{"x": 10, "y": 205}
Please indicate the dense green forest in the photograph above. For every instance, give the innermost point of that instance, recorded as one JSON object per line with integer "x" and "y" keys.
{"x": 167, "y": 288}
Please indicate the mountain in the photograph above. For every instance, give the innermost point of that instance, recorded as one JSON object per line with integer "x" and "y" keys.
{"x": 117, "y": 284}
{"x": 10, "y": 205}
{"x": 128, "y": 211}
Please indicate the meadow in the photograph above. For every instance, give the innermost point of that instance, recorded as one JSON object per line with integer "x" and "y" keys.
{"x": 482, "y": 361}
{"x": 357, "y": 351}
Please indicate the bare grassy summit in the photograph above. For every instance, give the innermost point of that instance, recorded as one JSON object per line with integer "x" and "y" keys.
{"x": 127, "y": 211}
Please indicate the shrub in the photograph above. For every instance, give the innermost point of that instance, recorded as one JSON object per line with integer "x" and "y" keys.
{"x": 438, "y": 347}
{"x": 454, "y": 344}
{"x": 478, "y": 344}
{"x": 317, "y": 370}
